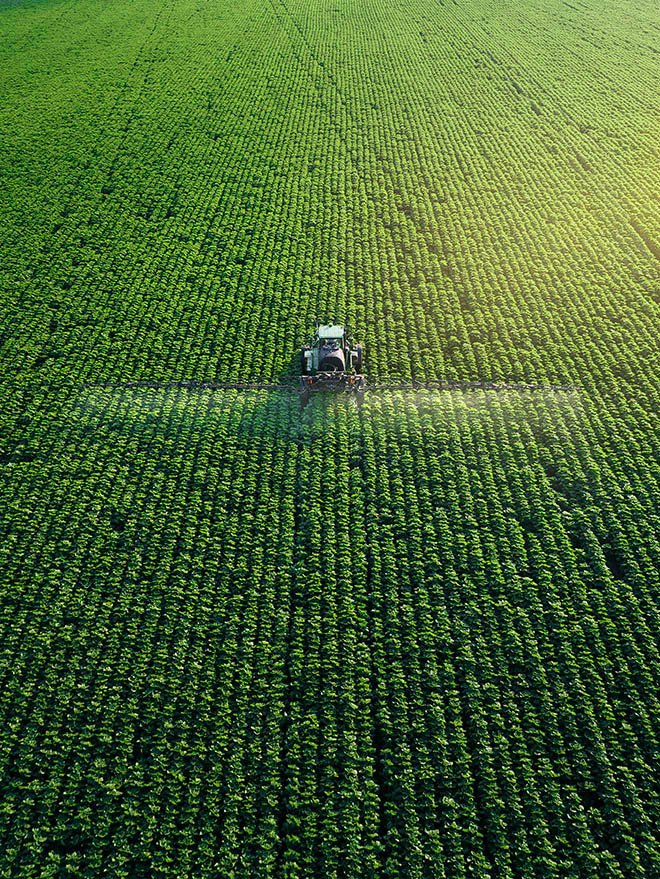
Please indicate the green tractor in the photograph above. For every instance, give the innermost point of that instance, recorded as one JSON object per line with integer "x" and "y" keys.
{"x": 331, "y": 362}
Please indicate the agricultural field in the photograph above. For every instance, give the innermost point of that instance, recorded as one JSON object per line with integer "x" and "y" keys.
{"x": 417, "y": 638}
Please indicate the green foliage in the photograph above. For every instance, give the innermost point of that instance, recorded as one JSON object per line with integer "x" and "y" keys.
{"x": 417, "y": 639}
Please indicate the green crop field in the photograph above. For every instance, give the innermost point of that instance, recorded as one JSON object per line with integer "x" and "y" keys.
{"x": 417, "y": 638}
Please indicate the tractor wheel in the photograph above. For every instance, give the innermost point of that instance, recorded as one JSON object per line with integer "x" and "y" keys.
{"x": 303, "y": 361}
{"x": 358, "y": 359}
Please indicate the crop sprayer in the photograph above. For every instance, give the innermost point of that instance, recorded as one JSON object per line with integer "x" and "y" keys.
{"x": 332, "y": 363}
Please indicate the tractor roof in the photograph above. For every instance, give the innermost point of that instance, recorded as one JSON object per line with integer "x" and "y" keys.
{"x": 331, "y": 331}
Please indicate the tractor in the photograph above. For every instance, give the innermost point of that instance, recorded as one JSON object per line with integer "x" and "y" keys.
{"x": 331, "y": 362}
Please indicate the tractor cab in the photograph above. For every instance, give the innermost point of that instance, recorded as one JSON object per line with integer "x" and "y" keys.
{"x": 331, "y": 353}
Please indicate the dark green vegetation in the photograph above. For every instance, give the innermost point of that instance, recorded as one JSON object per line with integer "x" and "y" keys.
{"x": 419, "y": 639}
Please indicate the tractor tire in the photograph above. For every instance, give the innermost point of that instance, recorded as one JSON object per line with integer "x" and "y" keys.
{"x": 303, "y": 360}
{"x": 358, "y": 360}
